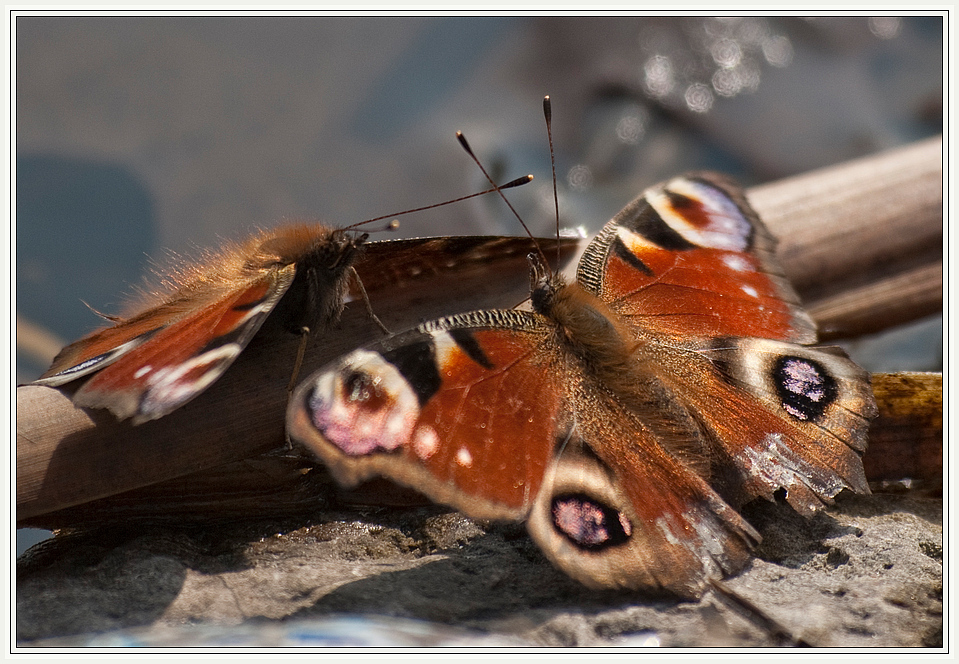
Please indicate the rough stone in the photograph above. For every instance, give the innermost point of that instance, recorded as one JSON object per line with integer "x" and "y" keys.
{"x": 867, "y": 572}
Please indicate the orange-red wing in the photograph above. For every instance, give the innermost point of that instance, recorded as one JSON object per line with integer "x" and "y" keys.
{"x": 464, "y": 409}
{"x": 100, "y": 348}
{"x": 690, "y": 259}
{"x": 782, "y": 416}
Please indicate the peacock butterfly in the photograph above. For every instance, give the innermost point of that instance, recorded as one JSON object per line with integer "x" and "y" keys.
{"x": 293, "y": 278}
{"x": 629, "y": 415}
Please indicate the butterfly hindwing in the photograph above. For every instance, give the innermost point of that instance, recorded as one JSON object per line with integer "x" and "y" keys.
{"x": 617, "y": 510}
{"x": 788, "y": 416}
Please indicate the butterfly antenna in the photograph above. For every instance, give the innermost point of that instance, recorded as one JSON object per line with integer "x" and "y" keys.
{"x": 469, "y": 151}
{"x": 548, "y": 114}
{"x": 394, "y": 224}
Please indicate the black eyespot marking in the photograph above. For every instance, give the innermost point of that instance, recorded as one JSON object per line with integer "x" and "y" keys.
{"x": 804, "y": 387}
{"x": 468, "y": 344}
{"x": 629, "y": 257}
{"x": 651, "y": 226}
{"x": 588, "y": 524}
{"x": 417, "y": 363}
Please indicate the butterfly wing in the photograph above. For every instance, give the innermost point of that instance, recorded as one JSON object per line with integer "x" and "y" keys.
{"x": 691, "y": 267}
{"x": 691, "y": 258}
{"x": 145, "y": 381}
{"x": 150, "y": 364}
{"x": 618, "y": 510}
{"x": 410, "y": 281}
{"x": 386, "y": 264}
{"x": 787, "y": 416}
{"x": 430, "y": 408}
{"x": 99, "y": 349}
{"x": 481, "y": 412}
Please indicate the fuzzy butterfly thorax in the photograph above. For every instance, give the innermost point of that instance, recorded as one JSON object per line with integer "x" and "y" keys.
{"x": 311, "y": 244}
{"x": 629, "y": 415}
{"x": 587, "y": 326}
{"x": 323, "y": 260}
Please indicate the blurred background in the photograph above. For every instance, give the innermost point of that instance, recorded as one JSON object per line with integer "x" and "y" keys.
{"x": 139, "y": 136}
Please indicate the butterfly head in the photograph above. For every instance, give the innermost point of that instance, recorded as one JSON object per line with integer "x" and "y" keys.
{"x": 303, "y": 244}
{"x": 319, "y": 261}
{"x": 544, "y": 283}
{"x": 341, "y": 250}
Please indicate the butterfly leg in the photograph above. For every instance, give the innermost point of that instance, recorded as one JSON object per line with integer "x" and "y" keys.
{"x": 304, "y": 333}
{"x": 366, "y": 301}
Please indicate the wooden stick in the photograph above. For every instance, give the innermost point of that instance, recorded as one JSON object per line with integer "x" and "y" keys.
{"x": 854, "y": 238}
{"x": 905, "y": 440}
{"x": 862, "y": 241}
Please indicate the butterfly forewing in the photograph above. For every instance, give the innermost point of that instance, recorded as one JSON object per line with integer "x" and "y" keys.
{"x": 464, "y": 409}
{"x": 689, "y": 258}
{"x": 386, "y": 263}
{"x": 100, "y": 348}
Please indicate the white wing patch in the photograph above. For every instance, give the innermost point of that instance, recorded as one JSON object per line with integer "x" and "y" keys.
{"x": 169, "y": 387}
{"x": 464, "y": 458}
{"x": 425, "y": 442}
{"x": 725, "y": 227}
{"x": 364, "y": 404}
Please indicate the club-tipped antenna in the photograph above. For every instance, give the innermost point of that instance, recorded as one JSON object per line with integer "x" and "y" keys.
{"x": 548, "y": 114}
{"x": 469, "y": 151}
{"x": 393, "y": 225}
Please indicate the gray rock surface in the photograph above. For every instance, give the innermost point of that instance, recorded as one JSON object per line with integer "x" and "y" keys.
{"x": 865, "y": 573}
